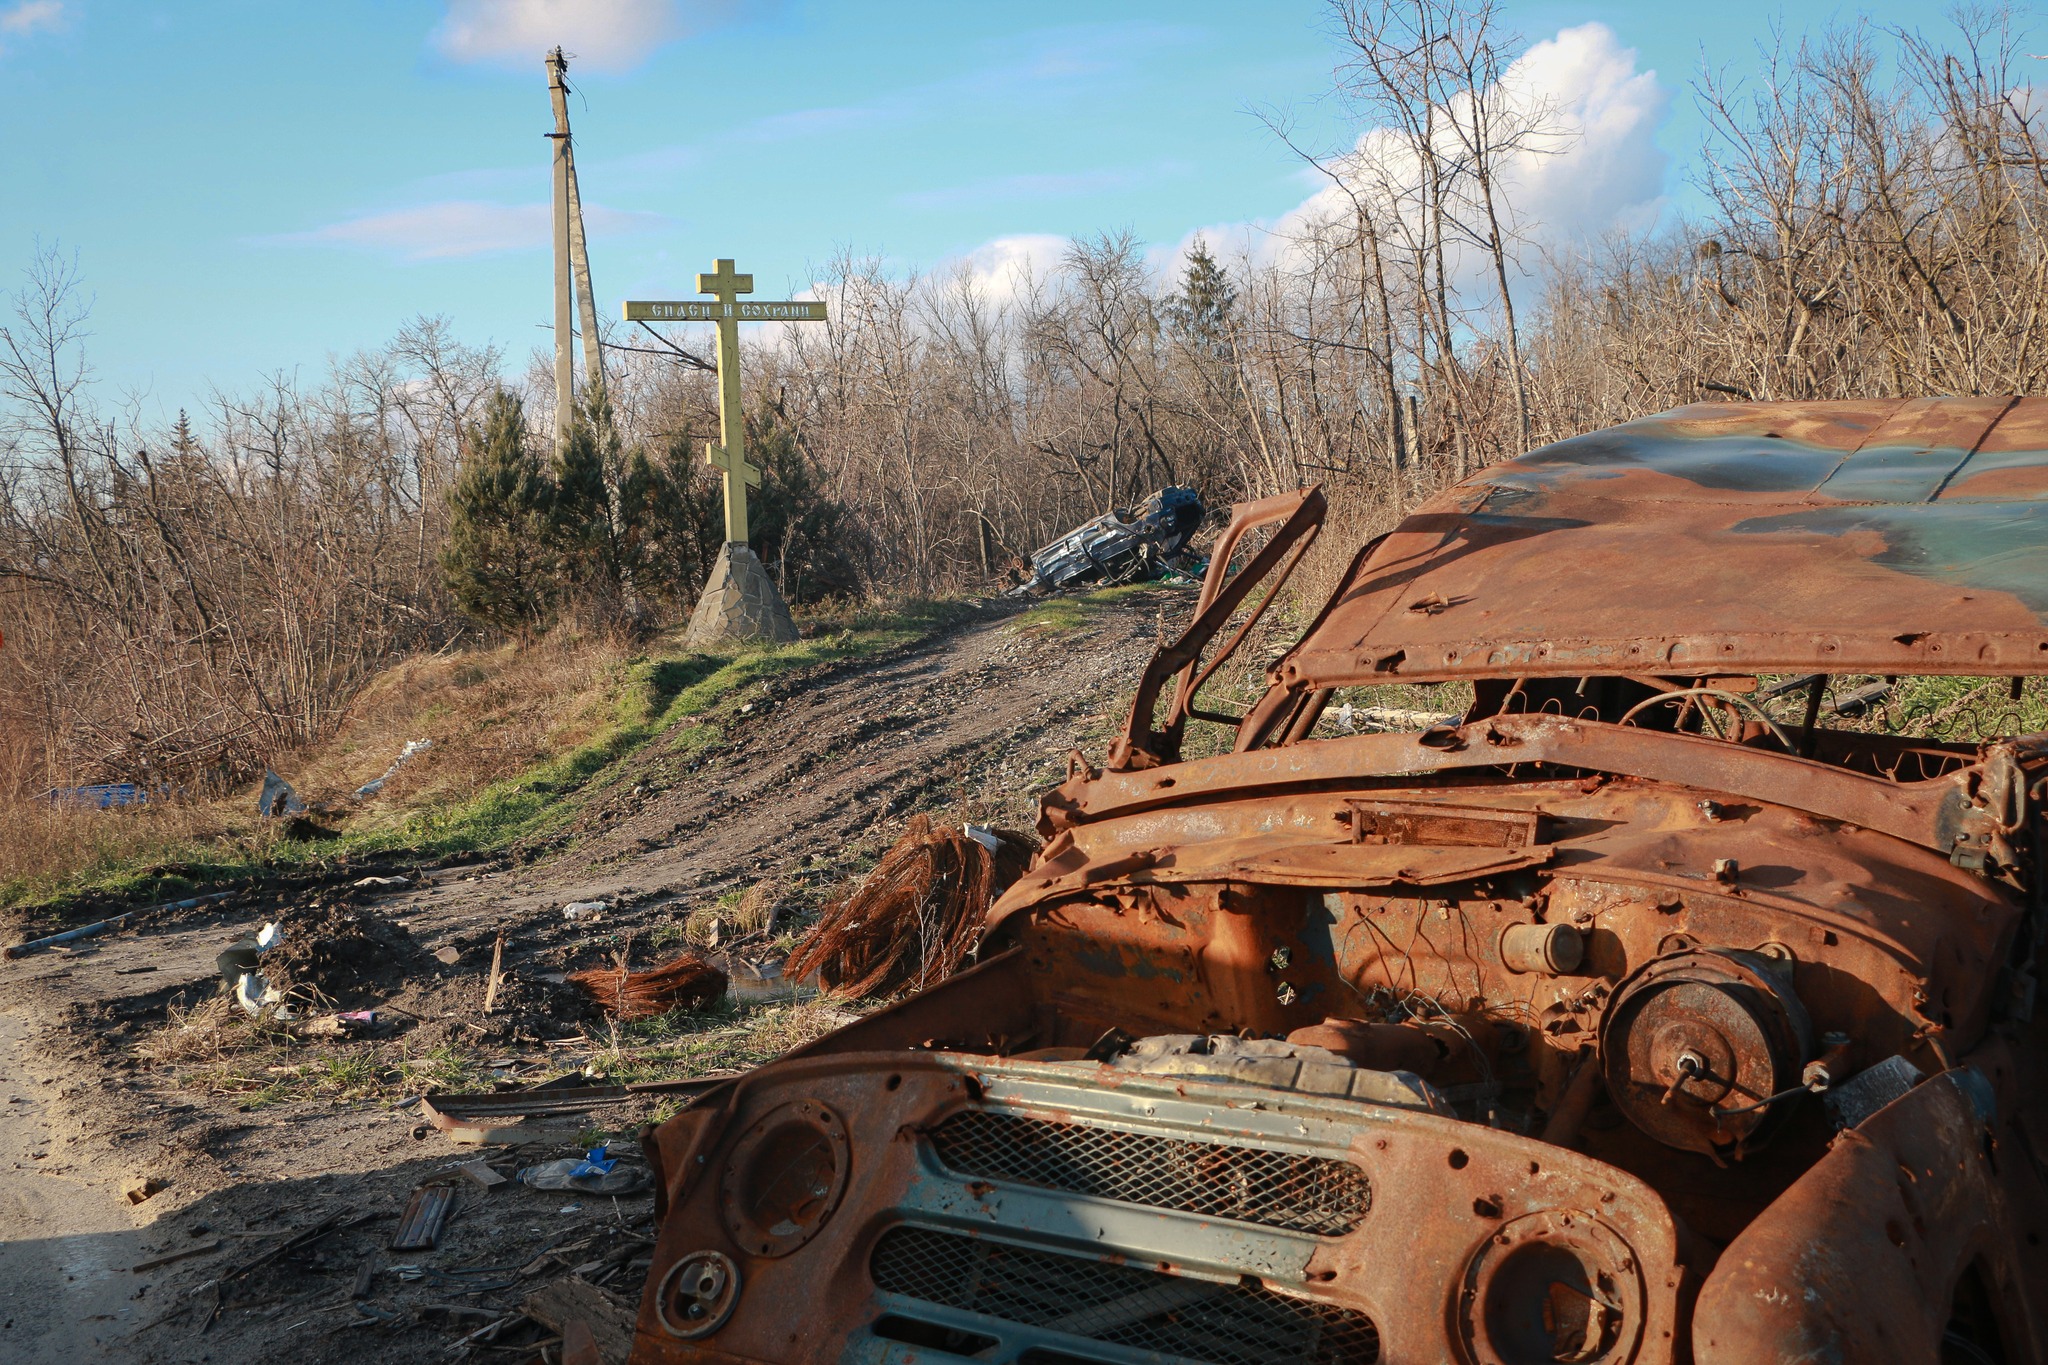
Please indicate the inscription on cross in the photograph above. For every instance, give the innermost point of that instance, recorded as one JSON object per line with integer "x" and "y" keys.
{"x": 728, "y": 453}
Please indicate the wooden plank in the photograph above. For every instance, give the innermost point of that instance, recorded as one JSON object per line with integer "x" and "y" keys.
{"x": 610, "y": 1319}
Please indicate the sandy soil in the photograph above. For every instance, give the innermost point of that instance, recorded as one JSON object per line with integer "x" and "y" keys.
{"x": 823, "y": 768}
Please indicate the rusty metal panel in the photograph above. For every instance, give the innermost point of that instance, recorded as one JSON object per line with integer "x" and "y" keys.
{"x": 1889, "y": 538}
{"x": 1063, "y": 1257}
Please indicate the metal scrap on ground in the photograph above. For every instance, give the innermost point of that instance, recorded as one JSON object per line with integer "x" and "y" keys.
{"x": 916, "y": 916}
{"x": 686, "y": 982}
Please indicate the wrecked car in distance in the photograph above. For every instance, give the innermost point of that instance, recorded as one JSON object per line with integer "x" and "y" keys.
{"x": 1647, "y": 1011}
{"x": 1122, "y": 546}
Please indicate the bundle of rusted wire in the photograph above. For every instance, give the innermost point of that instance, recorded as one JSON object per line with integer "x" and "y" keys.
{"x": 686, "y": 982}
{"x": 914, "y": 918}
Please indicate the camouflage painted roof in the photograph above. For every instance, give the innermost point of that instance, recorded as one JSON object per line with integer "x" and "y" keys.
{"x": 1884, "y": 536}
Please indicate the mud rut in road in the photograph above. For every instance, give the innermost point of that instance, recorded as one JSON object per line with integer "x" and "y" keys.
{"x": 974, "y": 722}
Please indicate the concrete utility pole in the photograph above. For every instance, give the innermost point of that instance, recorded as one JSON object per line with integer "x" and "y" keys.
{"x": 565, "y": 337}
{"x": 572, "y": 262}
{"x": 579, "y": 264}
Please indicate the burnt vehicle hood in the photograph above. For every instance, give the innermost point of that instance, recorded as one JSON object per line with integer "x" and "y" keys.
{"x": 1882, "y": 536}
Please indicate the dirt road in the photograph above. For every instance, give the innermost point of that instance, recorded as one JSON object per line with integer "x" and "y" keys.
{"x": 67, "y": 1236}
{"x": 826, "y": 764}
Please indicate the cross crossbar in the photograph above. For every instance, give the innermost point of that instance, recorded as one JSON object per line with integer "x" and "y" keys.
{"x": 728, "y": 454}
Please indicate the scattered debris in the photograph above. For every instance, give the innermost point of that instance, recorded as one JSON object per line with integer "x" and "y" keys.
{"x": 102, "y": 926}
{"x": 237, "y": 963}
{"x": 424, "y": 1217}
{"x": 595, "y": 1172}
{"x": 685, "y": 982}
{"x": 497, "y": 973}
{"x": 277, "y": 799}
{"x": 571, "y": 1299}
{"x": 99, "y": 795}
{"x": 345, "y": 1025}
{"x": 157, "y": 1263}
{"x": 1122, "y": 546}
{"x": 500, "y": 1116}
{"x": 482, "y": 1173}
{"x": 577, "y": 910}
{"x": 916, "y": 916}
{"x": 140, "y": 1189}
{"x": 382, "y": 883}
{"x": 579, "y": 1344}
{"x": 375, "y": 785}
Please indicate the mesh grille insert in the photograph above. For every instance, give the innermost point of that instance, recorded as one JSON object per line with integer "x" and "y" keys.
{"x": 1254, "y": 1185}
{"x": 1120, "y": 1305}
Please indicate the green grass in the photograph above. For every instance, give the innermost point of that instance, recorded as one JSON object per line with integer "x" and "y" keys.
{"x": 1064, "y": 615}
{"x": 262, "y": 1069}
{"x": 692, "y": 694}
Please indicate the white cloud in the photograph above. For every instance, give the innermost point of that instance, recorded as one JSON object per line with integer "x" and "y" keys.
{"x": 31, "y": 17}
{"x": 1599, "y": 169}
{"x": 600, "y": 35}
{"x": 456, "y": 228}
{"x": 1008, "y": 268}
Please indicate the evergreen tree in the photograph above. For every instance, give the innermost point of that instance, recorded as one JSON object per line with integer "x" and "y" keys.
{"x": 1200, "y": 313}
{"x": 498, "y": 562}
{"x": 184, "y": 444}
{"x": 672, "y": 500}
{"x": 807, "y": 540}
{"x": 586, "y": 530}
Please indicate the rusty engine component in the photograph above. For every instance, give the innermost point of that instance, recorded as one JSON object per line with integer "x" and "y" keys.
{"x": 1645, "y": 1011}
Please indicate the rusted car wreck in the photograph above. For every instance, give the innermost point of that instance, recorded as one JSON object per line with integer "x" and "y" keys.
{"x": 1646, "y": 1011}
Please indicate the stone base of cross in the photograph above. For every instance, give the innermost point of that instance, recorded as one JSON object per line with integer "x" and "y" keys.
{"x": 739, "y": 601}
{"x": 739, "y": 604}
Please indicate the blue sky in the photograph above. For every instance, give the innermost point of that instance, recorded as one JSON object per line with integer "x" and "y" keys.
{"x": 255, "y": 186}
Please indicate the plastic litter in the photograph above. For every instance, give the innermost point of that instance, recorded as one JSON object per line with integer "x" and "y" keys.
{"x": 576, "y": 910}
{"x": 237, "y": 963}
{"x": 375, "y": 785}
{"x": 277, "y": 799}
{"x": 594, "y": 1172}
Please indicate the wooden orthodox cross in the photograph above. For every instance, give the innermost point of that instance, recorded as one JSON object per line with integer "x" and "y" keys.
{"x": 728, "y": 453}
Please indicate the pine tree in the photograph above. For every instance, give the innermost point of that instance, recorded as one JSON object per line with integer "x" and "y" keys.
{"x": 808, "y": 541}
{"x": 602, "y": 522}
{"x": 1201, "y": 312}
{"x": 184, "y": 444}
{"x": 672, "y": 504}
{"x": 498, "y": 562}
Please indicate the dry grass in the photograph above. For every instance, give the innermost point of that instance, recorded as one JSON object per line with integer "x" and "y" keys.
{"x": 734, "y": 915}
{"x": 44, "y": 848}
{"x": 490, "y": 714}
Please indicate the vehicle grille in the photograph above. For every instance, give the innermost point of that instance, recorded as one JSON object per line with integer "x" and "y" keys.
{"x": 1252, "y": 1184}
{"x": 1236, "y": 1323}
